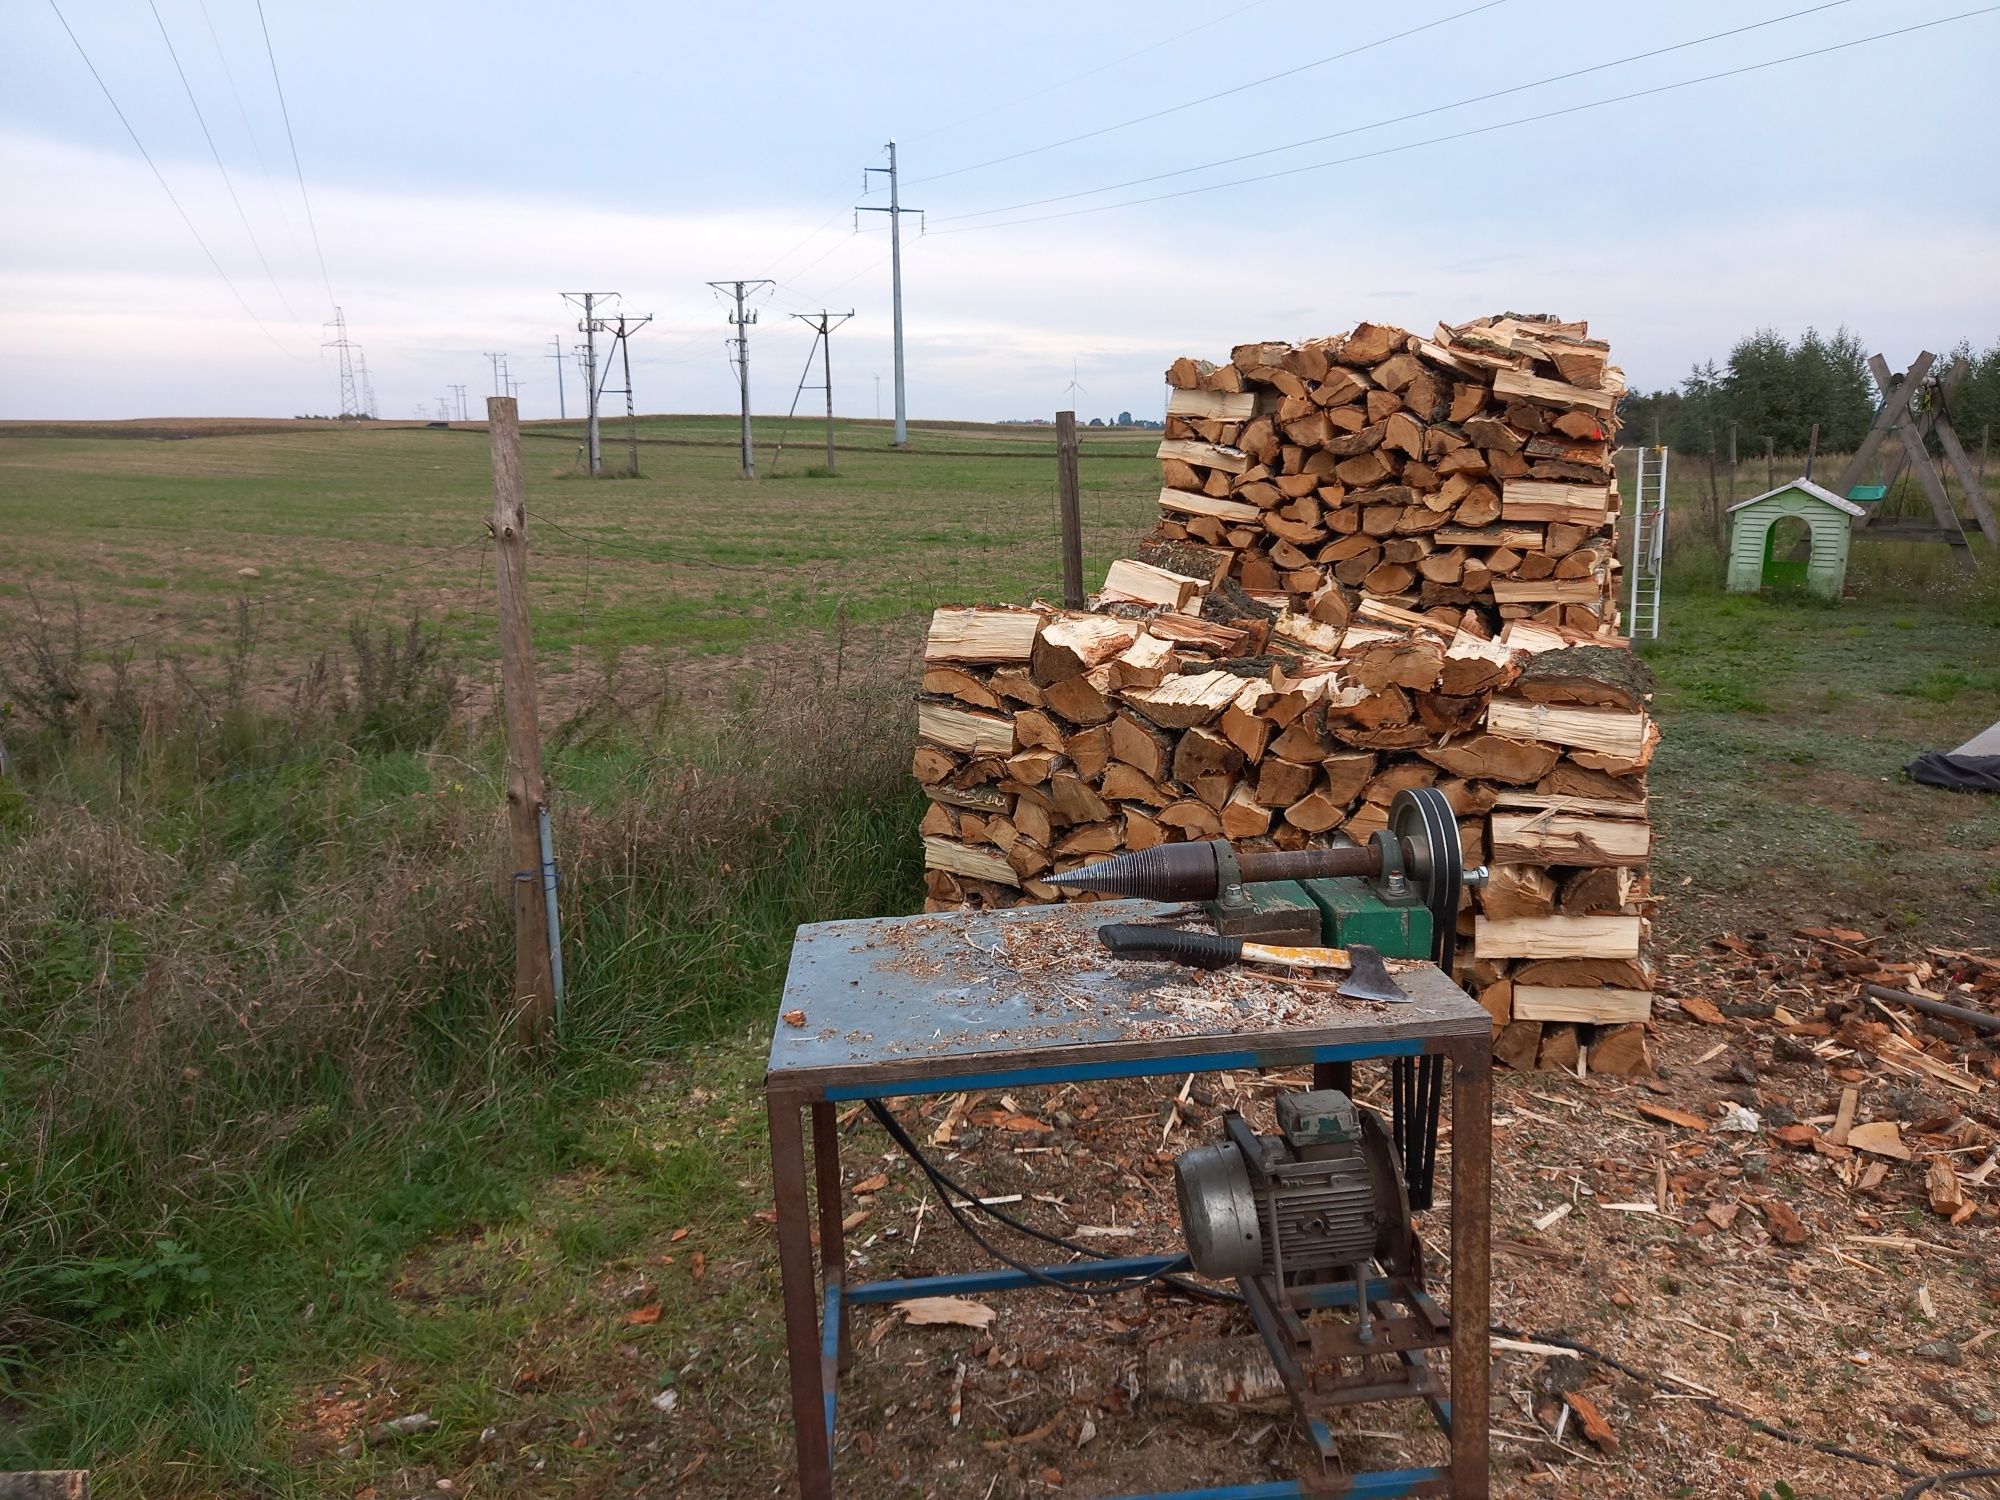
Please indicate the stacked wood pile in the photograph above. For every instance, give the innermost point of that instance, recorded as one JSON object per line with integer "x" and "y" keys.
{"x": 1471, "y": 469}
{"x": 1383, "y": 561}
{"x": 1049, "y": 739}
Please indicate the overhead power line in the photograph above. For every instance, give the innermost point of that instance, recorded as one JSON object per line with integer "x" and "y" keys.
{"x": 1102, "y": 67}
{"x": 227, "y": 181}
{"x": 1460, "y": 135}
{"x": 1436, "y": 109}
{"x": 111, "y": 99}
{"x": 1174, "y": 109}
{"x": 292, "y": 141}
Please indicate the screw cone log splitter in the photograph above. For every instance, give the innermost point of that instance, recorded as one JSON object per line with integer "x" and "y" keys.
{"x": 1398, "y": 893}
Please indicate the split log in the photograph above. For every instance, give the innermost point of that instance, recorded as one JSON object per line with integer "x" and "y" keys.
{"x": 1557, "y": 937}
{"x": 981, "y": 635}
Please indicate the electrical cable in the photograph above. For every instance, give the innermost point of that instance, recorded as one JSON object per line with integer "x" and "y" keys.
{"x": 1437, "y": 109}
{"x": 1952, "y": 1478}
{"x": 1460, "y": 135}
{"x": 292, "y": 141}
{"x": 1715, "y": 1405}
{"x": 110, "y": 99}
{"x": 1086, "y": 73}
{"x": 1210, "y": 98}
{"x": 227, "y": 181}
{"x": 945, "y": 1188}
{"x": 249, "y": 130}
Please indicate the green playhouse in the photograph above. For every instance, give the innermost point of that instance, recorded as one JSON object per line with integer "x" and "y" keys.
{"x": 1793, "y": 536}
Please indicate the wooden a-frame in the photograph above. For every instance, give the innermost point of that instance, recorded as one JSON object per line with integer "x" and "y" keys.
{"x": 1896, "y": 418}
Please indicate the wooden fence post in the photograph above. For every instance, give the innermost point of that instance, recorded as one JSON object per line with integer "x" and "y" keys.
{"x": 1770, "y": 463}
{"x": 533, "y": 992}
{"x": 1732, "y": 463}
{"x": 1812, "y": 452}
{"x": 1072, "y": 510}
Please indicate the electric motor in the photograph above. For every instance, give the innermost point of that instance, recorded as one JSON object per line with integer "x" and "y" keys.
{"x": 1323, "y": 1193}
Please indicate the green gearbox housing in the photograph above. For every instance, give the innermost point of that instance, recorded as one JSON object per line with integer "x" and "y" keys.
{"x": 1333, "y": 911}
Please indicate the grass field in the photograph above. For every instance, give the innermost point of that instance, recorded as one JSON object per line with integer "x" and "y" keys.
{"x": 150, "y": 532}
{"x": 265, "y": 1175}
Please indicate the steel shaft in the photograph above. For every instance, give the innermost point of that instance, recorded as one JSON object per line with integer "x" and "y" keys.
{"x": 1191, "y": 872}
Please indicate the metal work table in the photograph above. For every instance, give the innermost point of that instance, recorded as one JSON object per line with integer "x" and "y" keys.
{"x": 891, "y": 1006}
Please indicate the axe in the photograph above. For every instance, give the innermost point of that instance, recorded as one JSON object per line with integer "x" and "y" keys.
{"x": 1367, "y": 976}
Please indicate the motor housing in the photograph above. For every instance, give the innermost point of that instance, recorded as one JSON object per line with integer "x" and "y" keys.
{"x": 1324, "y": 1193}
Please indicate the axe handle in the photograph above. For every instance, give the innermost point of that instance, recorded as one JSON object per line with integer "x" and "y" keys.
{"x": 1200, "y": 950}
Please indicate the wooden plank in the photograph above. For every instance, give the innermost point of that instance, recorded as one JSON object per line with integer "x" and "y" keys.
{"x": 1206, "y": 455}
{"x": 963, "y": 859}
{"x": 1554, "y": 838}
{"x": 1556, "y": 937}
{"x": 960, "y": 729}
{"x": 1553, "y": 392}
{"x": 1968, "y": 477}
{"x": 1189, "y": 503}
{"x": 1551, "y": 500}
{"x": 1894, "y": 404}
{"x": 1597, "y": 1007}
{"x": 1219, "y": 406}
{"x": 981, "y": 635}
{"x": 1547, "y": 591}
{"x": 1928, "y": 481}
{"x": 1607, "y": 730}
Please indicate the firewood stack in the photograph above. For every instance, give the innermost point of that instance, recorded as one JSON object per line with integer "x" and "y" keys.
{"x": 1239, "y": 679}
{"x": 1470, "y": 469}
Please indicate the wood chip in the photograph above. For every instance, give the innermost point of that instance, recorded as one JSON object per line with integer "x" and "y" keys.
{"x": 1947, "y": 1197}
{"x": 1669, "y": 1116}
{"x": 1553, "y": 1217}
{"x": 959, "y": 1312}
{"x": 1879, "y": 1138}
{"x": 1697, "y": 1009}
{"x": 1594, "y": 1426}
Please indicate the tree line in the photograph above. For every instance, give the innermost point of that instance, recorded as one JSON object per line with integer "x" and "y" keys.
{"x": 1775, "y": 389}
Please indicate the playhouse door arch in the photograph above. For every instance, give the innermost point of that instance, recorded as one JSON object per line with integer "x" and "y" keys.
{"x": 1788, "y": 550}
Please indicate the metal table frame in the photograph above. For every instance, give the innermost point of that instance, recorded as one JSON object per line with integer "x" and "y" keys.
{"x": 818, "y": 1298}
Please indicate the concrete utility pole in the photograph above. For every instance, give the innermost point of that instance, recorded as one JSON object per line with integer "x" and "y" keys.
{"x": 820, "y": 323}
{"x": 459, "y": 392}
{"x": 590, "y": 326}
{"x": 621, "y": 337}
{"x": 562, "y": 407}
{"x": 741, "y": 319}
{"x": 895, "y": 211}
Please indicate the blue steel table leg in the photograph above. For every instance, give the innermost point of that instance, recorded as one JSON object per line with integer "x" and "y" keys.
{"x": 832, "y": 1238}
{"x": 802, "y": 1303}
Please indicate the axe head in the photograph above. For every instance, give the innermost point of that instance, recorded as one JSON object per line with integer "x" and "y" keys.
{"x": 1368, "y": 977}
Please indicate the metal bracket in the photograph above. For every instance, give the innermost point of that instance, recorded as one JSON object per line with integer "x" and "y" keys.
{"x": 1231, "y": 900}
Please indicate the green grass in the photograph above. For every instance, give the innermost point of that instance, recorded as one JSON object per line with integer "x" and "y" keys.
{"x": 1778, "y": 789}
{"x": 685, "y": 558}
{"x": 250, "y": 942}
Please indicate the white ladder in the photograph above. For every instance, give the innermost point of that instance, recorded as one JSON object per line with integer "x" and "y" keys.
{"x": 1649, "y": 542}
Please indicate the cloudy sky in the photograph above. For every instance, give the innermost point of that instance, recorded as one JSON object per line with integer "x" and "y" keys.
{"x": 466, "y": 165}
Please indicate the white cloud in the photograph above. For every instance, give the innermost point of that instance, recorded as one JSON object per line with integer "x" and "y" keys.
{"x": 107, "y": 307}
